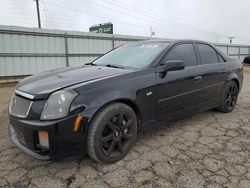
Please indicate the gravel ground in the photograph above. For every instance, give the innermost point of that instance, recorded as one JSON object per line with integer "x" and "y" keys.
{"x": 210, "y": 149}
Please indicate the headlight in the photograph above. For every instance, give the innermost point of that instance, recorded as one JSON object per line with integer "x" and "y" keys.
{"x": 58, "y": 104}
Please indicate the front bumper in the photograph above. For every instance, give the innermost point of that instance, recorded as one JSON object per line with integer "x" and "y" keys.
{"x": 63, "y": 141}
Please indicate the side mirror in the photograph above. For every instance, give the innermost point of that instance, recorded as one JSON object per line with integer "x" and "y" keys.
{"x": 174, "y": 65}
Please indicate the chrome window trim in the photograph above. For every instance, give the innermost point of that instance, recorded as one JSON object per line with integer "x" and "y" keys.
{"x": 23, "y": 94}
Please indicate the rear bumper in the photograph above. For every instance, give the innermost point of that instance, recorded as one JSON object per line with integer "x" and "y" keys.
{"x": 63, "y": 141}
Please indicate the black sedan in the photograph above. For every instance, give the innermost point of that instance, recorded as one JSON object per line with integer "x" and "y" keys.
{"x": 100, "y": 108}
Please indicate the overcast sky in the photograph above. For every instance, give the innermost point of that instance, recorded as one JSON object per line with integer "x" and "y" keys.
{"x": 211, "y": 20}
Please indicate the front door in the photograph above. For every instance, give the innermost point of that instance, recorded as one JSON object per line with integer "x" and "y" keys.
{"x": 179, "y": 91}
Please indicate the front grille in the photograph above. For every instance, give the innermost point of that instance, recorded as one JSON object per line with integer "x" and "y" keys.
{"x": 19, "y": 106}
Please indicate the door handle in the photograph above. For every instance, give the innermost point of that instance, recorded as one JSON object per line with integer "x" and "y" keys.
{"x": 197, "y": 78}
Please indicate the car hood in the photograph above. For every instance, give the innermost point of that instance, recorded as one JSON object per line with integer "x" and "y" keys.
{"x": 41, "y": 85}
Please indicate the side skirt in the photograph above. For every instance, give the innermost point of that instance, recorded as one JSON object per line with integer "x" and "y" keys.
{"x": 154, "y": 124}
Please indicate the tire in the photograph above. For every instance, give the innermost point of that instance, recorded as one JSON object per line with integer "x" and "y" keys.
{"x": 229, "y": 97}
{"x": 112, "y": 133}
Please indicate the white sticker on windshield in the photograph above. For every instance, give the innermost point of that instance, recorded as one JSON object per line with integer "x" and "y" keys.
{"x": 149, "y": 46}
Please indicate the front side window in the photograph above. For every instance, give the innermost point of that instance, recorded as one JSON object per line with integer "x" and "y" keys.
{"x": 132, "y": 55}
{"x": 185, "y": 53}
{"x": 208, "y": 54}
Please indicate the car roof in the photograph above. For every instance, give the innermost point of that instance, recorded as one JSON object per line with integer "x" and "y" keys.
{"x": 172, "y": 41}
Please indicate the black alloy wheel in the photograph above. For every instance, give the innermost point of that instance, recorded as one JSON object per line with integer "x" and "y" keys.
{"x": 229, "y": 97}
{"x": 117, "y": 135}
{"x": 112, "y": 133}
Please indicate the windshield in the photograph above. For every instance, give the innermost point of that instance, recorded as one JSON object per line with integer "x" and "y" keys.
{"x": 132, "y": 55}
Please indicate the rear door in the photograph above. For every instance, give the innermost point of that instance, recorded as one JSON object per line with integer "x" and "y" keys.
{"x": 211, "y": 66}
{"x": 179, "y": 91}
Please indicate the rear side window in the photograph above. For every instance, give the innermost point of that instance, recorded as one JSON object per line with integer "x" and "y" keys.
{"x": 185, "y": 53}
{"x": 208, "y": 54}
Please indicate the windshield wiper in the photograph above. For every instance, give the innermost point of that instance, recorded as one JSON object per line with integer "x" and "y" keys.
{"x": 91, "y": 63}
{"x": 108, "y": 65}
{"x": 114, "y": 66}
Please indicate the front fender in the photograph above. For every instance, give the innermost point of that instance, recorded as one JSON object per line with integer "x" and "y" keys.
{"x": 100, "y": 98}
{"x": 111, "y": 96}
{"x": 232, "y": 76}
{"x": 238, "y": 78}
{"x": 131, "y": 89}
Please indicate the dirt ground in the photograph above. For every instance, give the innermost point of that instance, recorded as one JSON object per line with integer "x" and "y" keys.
{"x": 210, "y": 149}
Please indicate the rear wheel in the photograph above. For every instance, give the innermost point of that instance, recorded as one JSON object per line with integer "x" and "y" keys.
{"x": 112, "y": 133}
{"x": 229, "y": 97}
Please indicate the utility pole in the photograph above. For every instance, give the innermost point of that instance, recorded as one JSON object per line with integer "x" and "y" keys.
{"x": 152, "y": 33}
{"x": 231, "y": 39}
{"x": 38, "y": 13}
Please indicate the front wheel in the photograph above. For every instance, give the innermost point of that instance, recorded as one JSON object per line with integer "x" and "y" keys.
{"x": 112, "y": 133}
{"x": 229, "y": 97}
